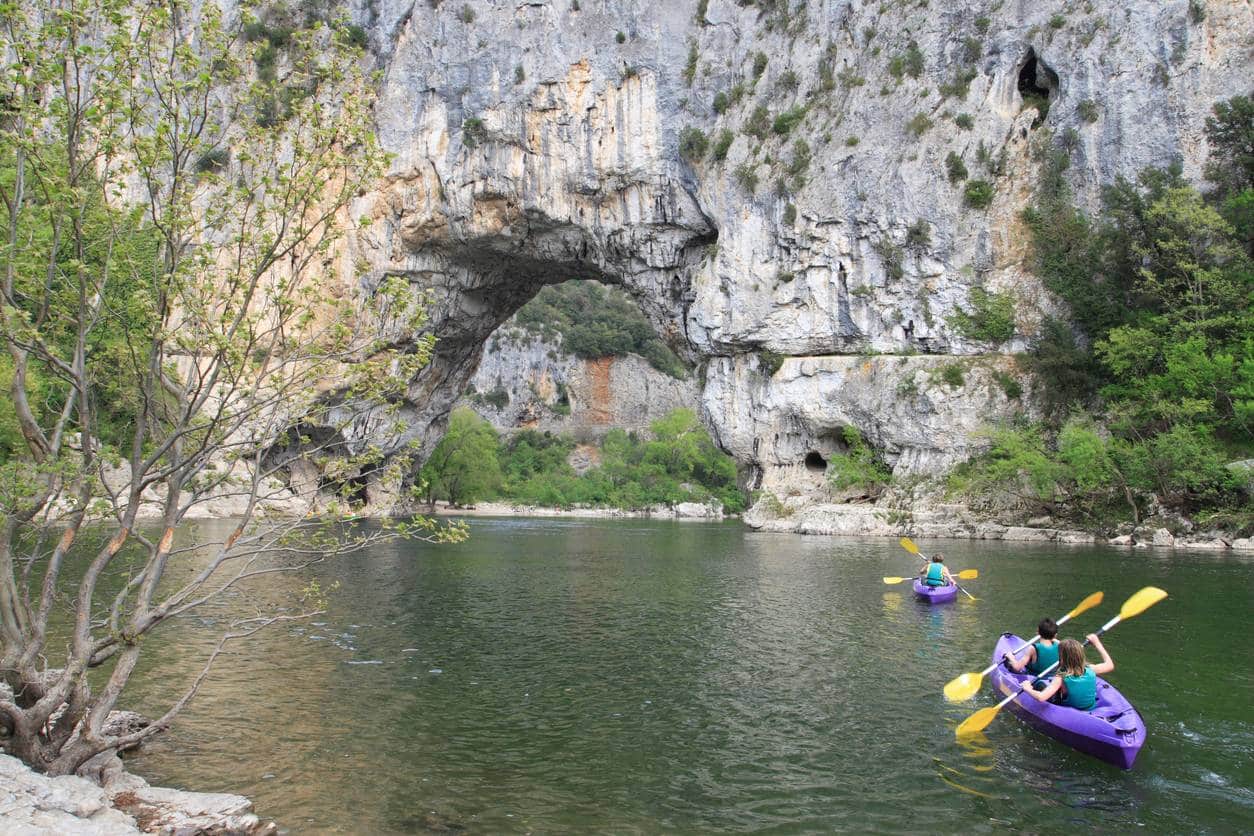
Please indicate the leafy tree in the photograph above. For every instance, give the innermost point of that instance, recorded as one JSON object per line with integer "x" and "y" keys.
{"x": 166, "y": 342}
{"x": 860, "y": 467}
{"x": 463, "y": 467}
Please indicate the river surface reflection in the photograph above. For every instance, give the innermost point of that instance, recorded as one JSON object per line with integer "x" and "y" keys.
{"x": 560, "y": 676}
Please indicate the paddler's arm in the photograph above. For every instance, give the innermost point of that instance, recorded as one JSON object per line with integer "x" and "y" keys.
{"x": 1107, "y": 664}
{"x": 1018, "y": 666}
{"x": 1043, "y": 696}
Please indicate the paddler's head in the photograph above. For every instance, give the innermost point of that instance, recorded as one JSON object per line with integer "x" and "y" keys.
{"x": 1071, "y": 660}
{"x": 1047, "y": 629}
{"x": 938, "y": 558}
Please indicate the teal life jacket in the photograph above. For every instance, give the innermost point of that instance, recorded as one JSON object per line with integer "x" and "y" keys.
{"x": 935, "y": 574}
{"x": 1046, "y": 657}
{"x": 1081, "y": 690}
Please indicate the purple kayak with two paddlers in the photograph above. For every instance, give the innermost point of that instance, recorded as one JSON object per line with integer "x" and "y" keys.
{"x": 1113, "y": 731}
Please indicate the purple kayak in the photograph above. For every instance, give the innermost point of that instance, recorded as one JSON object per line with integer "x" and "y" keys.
{"x": 935, "y": 594}
{"x": 1113, "y": 731}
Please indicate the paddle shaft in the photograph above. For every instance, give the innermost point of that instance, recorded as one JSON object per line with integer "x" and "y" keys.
{"x": 1027, "y": 683}
{"x": 1026, "y": 645}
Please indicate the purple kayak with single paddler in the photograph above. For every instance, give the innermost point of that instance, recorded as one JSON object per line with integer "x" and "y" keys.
{"x": 1113, "y": 731}
{"x": 935, "y": 594}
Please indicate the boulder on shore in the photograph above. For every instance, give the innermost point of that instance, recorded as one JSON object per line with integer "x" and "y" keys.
{"x": 105, "y": 800}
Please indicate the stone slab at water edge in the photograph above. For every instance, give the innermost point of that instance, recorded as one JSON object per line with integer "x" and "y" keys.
{"x": 32, "y": 804}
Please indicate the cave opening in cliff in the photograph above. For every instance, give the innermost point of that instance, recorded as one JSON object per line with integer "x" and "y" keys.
{"x": 1037, "y": 85}
{"x": 815, "y": 463}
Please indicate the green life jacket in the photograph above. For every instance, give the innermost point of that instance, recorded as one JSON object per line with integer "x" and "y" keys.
{"x": 1046, "y": 657}
{"x": 1081, "y": 690}
{"x": 935, "y": 574}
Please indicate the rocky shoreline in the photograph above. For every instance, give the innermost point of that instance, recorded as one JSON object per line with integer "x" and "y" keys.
{"x": 680, "y": 511}
{"x": 957, "y": 522}
{"x": 106, "y": 800}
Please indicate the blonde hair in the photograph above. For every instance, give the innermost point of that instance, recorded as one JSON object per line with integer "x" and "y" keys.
{"x": 1071, "y": 661}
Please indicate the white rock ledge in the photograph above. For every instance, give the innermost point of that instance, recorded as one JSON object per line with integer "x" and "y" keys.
{"x": 112, "y": 802}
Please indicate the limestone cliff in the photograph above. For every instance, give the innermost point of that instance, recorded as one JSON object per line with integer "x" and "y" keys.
{"x": 536, "y": 142}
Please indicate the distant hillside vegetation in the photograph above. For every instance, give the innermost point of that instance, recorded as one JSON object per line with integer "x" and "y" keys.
{"x": 593, "y": 320}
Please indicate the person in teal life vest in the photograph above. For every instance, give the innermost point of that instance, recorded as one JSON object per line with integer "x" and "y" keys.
{"x": 1075, "y": 683}
{"x": 1041, "y": 655}
{"x": 936, "y": 573}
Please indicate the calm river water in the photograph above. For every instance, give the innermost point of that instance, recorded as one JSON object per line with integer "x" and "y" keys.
{"x": 561, "y": 676}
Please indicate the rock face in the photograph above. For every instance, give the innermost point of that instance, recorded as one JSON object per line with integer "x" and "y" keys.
{"x": 118, "y": 805}
{"x": 539, "y": 142}
{"x": 524, "y": 381}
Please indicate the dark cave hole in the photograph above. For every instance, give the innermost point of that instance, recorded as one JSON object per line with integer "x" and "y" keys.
{"x": 815, "y": 462}
{"x": 1037, "y": 85}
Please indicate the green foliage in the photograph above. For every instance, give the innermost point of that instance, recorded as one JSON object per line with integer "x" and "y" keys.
{"x": 722, "y": 144}
{"x": 759, "y": 65}
{"x": 908, "y": 63}
{"x": 955, "y": 167}
{"x": 759, "y": 123}
{"x": 849, "y": 77}
{"x": 1009, "y": 384}
{"x": 790, "y": 218}
{"x": 1057, "y": 21}
{"x": 859, "y": 467}
{"x": 679, "y": 463}
{"x": 702, "y": 6}
{"x": 466, "y": 15}
{"x": 520, "y": 74}
{"x": 690, "y": 67}
{"x": 965, "y": 121}
{"x": 1160, "y": 285}
{"x": 919, "y": 124}
{"x": 918, "y": 235}
{"x": 978, "y": 194}
{"x": 951, "y": 374}
{"x": 959, "y": 84}
{"x": 1088, "y": 110}
{"x": 747, "y": 176}
{"x": 981, "y": 24}
{"x": 1230, "y": 134}
{"x": 473, "y": 132}
{"x": 594, "y": 321}
{"x": 893, "y": 257}
{"x": 721, "y": 103}
{"x": 800, "y": 158}
{"x": 990, "y": 318}
{"x": 851, "y": 141}
{"x": 769, "y": 362}
{"x": 692, "y": 144}
{"x": 787, "y": 82}
{"x": 620, "y": 37}
{"x": 463, "y": 467}
{"x": 789, "y": 119}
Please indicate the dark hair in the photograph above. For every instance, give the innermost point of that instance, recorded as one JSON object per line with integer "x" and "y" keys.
{"x": 938, "y": 558}
{"x": 1047, "y": 629}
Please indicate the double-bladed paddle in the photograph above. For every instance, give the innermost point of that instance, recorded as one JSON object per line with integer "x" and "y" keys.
{"x": 909, "y": 545}
{"x": 965, "y": 574}
{"x": 965, "y": 686}
{"x": 1134, "y": 606}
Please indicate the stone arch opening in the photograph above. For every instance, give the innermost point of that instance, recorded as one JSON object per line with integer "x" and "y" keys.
{"x": 815, "y": 463}
{"x": 1037, "y": 85}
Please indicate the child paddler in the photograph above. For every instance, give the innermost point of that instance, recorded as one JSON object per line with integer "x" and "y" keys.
{"x": 936, "y": 573}
{"x": 1041, "y": 655}
{"x": 1075, "y": 681}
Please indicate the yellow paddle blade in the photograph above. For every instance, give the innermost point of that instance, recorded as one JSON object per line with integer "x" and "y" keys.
{"x": 895, "y": 580}
{"x": 969, "y": 574}
{"x": 1141, "y": 601}
{"x": 963, "y": 687}
{"x": 978, "y": 721}
{"x": 908, "y": 545}
{"x": 1085, "y": 605}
